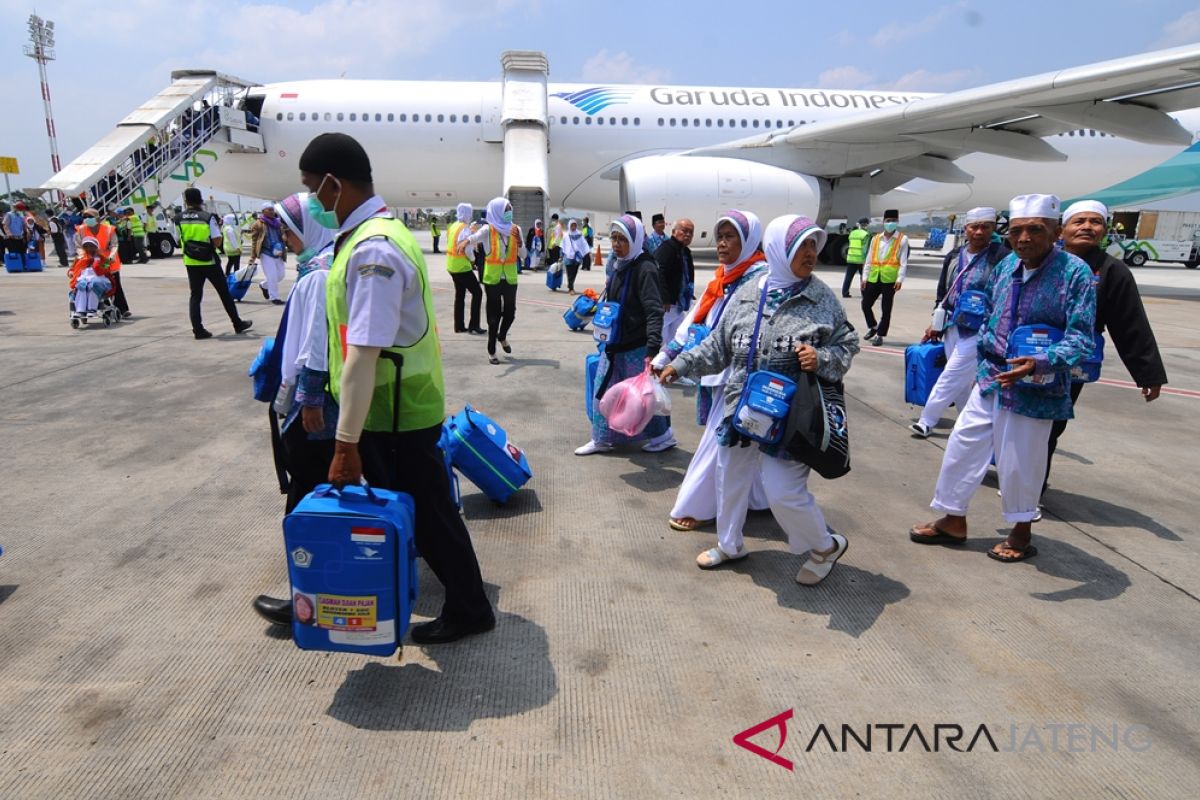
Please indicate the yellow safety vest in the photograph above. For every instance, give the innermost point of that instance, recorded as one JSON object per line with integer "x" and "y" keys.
{"x": 457, "y": 259}
{"x": 887, "y": 268}
{"x": 857, "y": 252}
{"x": 501, "y": 262}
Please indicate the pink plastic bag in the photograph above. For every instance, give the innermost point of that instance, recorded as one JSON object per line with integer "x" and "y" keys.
{"x": 630, "y": 405}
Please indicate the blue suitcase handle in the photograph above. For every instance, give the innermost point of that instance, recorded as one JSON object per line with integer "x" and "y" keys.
{"x": 327, "y": 489}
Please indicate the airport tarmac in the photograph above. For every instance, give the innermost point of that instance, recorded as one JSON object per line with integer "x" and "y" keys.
{"x": 141, "y": 516}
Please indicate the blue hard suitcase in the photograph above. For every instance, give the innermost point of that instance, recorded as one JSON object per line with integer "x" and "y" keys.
{"x": 590, "y": 366}
{"x": 239, "y": 281}
{"x": 923, "y": 364}
{"x": 580, "y": 312}
{"x": 13, "y": 262}
{"x": 33, "y": 261}
{"x": 444, "y": 445}
{"x": 554, "y": 279}
{"x": 352, "y": 566}
{"x": 481, "y": 451}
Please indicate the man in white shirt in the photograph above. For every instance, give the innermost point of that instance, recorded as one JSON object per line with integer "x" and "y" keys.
{"x": 883, "y": 274}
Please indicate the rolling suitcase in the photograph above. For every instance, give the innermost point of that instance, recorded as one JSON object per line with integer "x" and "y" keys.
{"x": 239, "y": 281}
{"x": 13, "y": 262}
{"x": 353, "y": 570}
{"x": 923, "y": 363}
{"x": 33, "y": 261}
{"x": 580, "y": 312}
{"x": 444, "y": 445}
{"x": 481, "y": 451}
{"x": 554, "y": 278}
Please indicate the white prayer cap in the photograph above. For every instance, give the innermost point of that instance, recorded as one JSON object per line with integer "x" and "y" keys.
{"x": 1033, "y": 205}
{"x": 1094, "y": 206}
{"x": 268, "y": 205}
{"x": 981, "y": 214}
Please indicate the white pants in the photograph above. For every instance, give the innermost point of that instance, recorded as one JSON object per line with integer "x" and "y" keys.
{"x": 786, "y": 485}
{"x": 697, "y": 496}
{"x": 273, "y": 270}
{"x": 671, "y": 319}
{"x": 955, "y": 382}
{"x": 1019, "y": 442}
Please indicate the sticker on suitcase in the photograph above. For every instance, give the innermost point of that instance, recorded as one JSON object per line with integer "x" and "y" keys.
{"x": 344, "y": 613}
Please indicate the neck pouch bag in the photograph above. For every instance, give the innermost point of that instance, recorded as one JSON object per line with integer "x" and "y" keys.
{"x": 606, "y": 322}
{"x": 762, "y": 409}
{"x": 1030, "y": 340}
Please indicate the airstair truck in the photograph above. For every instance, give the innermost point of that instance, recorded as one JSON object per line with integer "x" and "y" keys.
{"x": 1140, "y": 236}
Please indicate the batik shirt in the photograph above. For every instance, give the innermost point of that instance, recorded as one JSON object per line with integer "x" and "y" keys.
{"x": 653, "y": 240}
{"x": 1061, "y": 294}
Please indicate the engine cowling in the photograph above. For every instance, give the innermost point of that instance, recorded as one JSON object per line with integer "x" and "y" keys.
{"x": 702, "y": 188}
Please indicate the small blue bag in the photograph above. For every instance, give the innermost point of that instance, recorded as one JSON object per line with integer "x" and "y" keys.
{"x": 1088, "y": 370}
{"x": 591, "y": 366}
{"x": 971, "y": 310}
{"x": 697, "y": 332}
{"x": 353, "y": 570}
{"x": 1033, "y": 340}
{"x": 766, "y": 400}
{"x": 606, "y": 323}
{"x": 265, "y": 371}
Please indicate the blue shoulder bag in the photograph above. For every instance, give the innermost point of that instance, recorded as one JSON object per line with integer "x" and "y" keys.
{"x": 606, "y": 322}
{"x": 766, "y": 400}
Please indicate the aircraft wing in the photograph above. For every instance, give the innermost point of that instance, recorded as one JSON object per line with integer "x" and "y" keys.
{"x": 1127, "y": 97}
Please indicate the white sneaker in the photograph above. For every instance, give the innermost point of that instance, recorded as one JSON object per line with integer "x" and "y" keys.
{"x": 818, "y": 567}
{"x": 591, "y": 447}
{"x": 664, "y": 442}
{"x": 1037, "y": 515}
{"x": 920, "y": 429}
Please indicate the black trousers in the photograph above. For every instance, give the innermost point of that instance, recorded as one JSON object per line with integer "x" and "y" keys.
{"x": 873, "y": 292}
{"x": 851, "y": 271}
{"x": 586, "y": 264}
{"x": 501, "y": 311}
{"x": 60, "y": 248}
{"x": 411, "y": 462}
{"x": 307, "y": 462}
{"x": 196, "y": 278}
{"x": 466, "y": 282}
{"x": 1056, "y": 430}
{"x": 119, "y": 293}
{"x": 435, "y": 243}
{"x": 553, "y": 255}
{"x": 232, "y": 263}
{"x": 572, "y": 272}
{"x": 14, "y": 244}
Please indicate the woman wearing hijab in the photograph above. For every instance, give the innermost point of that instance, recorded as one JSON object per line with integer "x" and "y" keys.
{"x": 462, "y": 271}
{"x": 502, "y": 246}
{"x": 738, "y": 235}
{"x": 574, "y": 250}
{"x": 534, "y": 241}
{"x": 309, "y": 413}
{"x": 633, "y": 284}
{"x": 804, "y": 329}
{"x": 304, "y": 337}
{"x": 267, "y": 248}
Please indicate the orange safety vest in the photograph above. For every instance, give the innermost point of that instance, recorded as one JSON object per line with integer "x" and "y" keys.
{"x": 103, "y": 234}
{"x": 500, "y": 261}
{"x": 887, "y": 268}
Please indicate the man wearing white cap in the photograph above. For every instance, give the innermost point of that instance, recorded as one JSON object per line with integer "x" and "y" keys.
{"x": 267, "y": 248}
{"x": 1044, "y": 291}
{"x": 965, "y": 269}
{"x": 1119, "y": 307}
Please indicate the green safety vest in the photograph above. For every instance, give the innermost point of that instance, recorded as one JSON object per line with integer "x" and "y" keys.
{"x": 456, "y": 257}
{"x": 136, "y": 227}
{"x": 193, "y": 227}
{"x": 885, "y": 267}
{"x": 422, "y": 388}
{"x": 232, "y": 240}
{"x": 500, "y": 262}
{"x": 857, "y": 252}
{"x": 151, "y": 224}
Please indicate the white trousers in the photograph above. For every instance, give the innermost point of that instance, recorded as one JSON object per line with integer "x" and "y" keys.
{"x": 1019, "y": 442}
{"x": 273, "y": 270}
{"x": 786, "y": 485}
{"x": 671, "y": 319}
{"x": 955, "y": 382}
{"x": 697, "y": 496}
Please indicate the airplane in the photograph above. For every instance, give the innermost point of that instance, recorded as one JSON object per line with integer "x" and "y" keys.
{"x": 690, "y": 151}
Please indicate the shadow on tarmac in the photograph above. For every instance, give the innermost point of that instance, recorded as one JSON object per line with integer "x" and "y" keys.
{"x": 1096, "y": 579}
{"x": 1092, "y": 511}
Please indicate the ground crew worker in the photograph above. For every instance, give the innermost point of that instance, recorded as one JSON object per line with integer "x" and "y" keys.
{"x": 462, "y": 271}
{"x": 137, "y": 234}
{"x": 856, "y": 253}
{"x": 379, "y": 306}
{"x": 503, "y": 247}
{"x": 200, "y": 237}
{"x": 151, "y": 227}
{"x": 106, "y": 236}
{"x": 883, "y": 273}
{"x": 435, "y": 232}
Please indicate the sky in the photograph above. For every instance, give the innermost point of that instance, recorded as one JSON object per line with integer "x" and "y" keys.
{"x": 113, "y": 56}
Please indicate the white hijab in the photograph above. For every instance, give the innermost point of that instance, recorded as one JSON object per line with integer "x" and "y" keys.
{"x": 632, "y": 229}
{"x": 782, "y": 239}
{"x": 293, "y": 210}
{"x": 749, "y": 230}
{"x": 306, "y": 340}
{"x": 463, "y": 211}
{"x": 495, "y": 216}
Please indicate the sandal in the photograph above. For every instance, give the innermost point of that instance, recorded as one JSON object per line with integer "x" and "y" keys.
{"x": 715, "y": 557}
{"x": 819, "y": 565}
{"x": 687, "y": 523}
{"x": 938, "y": 536}
{"x": 1022, "y": 553}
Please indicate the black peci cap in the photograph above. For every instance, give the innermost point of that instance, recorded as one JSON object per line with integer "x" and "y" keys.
{"x": 192, "y": 196}
{"x": 891, "y": 213}
{"x": 338, "y": 155}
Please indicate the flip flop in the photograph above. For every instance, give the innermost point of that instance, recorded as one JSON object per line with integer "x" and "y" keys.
{"x": 687, "y": 524}
{"x": 939, "y": 537}
{"x": 1027, "y": 553}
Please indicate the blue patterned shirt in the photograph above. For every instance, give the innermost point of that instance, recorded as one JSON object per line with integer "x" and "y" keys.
{"x": 1061, "y": 294}
{"x": 653, "y": 240}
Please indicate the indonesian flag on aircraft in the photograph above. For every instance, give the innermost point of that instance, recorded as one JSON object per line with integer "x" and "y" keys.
{"x": 290, "y": 96}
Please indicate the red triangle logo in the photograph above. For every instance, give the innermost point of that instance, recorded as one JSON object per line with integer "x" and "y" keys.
{"x": 778, "y": 721}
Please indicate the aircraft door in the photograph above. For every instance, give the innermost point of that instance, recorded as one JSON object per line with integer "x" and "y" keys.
{"x": 490, "y": 129}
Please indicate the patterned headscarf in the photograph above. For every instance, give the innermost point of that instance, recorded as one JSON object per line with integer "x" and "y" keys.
{"x": 782, "y": 239}
{"x": 631, "y": 228}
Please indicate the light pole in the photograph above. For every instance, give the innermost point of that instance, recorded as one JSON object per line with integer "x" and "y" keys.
{"x": 41, "y": 50}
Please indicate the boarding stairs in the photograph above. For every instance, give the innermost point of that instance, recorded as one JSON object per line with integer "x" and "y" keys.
{"x": 152, "y": 154}
{"x": 526, "y": 135}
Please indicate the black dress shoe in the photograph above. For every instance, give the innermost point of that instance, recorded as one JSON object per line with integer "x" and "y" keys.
{"x": 441, "y": 630}
{"x": 263, "y": 289}
{"x": 274, "y": 610}
{"x": 277, "y": 302}
{"x": 202, "y": 334}
{"x": 459, "y": 330}
{"x": 243, "y": 325}
{"x": 477, "y": 331}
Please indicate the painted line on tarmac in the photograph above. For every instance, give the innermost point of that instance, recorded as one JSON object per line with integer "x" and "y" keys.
{"x": 891, "y": 351}
{"x": 519, "y": 299}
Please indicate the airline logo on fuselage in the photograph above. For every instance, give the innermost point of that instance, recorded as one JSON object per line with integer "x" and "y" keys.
{"x": 595, "y": 99}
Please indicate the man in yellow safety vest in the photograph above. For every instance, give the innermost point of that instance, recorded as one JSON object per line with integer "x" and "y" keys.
{"x": 856, "y": 253}
{"x": 883, "y": 274}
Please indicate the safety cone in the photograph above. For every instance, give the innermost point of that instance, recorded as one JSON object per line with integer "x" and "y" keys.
{"x": 599, "y": 253}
